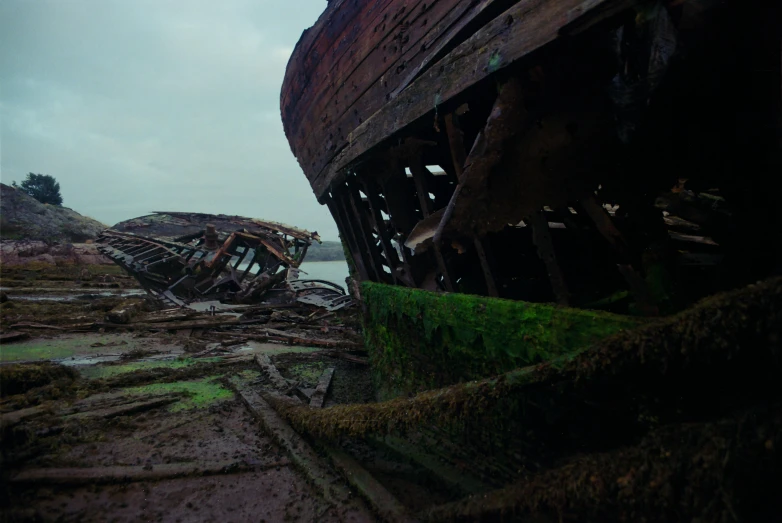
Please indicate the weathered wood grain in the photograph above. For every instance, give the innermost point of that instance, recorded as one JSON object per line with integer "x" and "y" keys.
{"x": 526, "y": 27}
{"x": 319, "y": 396}
{"x": 360, "y": 66}
{"x": 352, "y": 96}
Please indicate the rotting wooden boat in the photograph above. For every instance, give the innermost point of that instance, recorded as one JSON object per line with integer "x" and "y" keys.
{"x": 533, "y": 162}
{"x": 470, "y": 130}
{"x": 182, "y": 258}
{"x": 597, "y": 154}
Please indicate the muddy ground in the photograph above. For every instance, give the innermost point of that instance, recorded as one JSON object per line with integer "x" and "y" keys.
{"x": 130, "y": 426}
{"x": 104, "y": 422}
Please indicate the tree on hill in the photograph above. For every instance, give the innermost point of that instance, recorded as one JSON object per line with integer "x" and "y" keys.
{"x": 42, "y": 187}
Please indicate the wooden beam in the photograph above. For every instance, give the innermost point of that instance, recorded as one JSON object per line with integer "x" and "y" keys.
{"x": 300, "y": 452}
{"x": 359, "y": 255}
{"x": 542, "y": 239}
{"x": 319, "y": 396}
{"x": 490, "y": 285}
{"x": 265, "y": 363}
{"x": 123, "y": 473}
{"x": 605, "y": 226}
{"x": 359, "y": 211}
{"x": 346, "y": 236}
{"x": 371, "y": 190}
{"x": 384, "y": 503}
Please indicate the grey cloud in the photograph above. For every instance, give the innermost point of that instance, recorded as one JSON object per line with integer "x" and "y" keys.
{"x": 138, "y": 105}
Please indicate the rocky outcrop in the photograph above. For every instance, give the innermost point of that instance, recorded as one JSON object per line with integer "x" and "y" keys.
{"x": 17, "y": 252}
{"x": 22, "y": 217}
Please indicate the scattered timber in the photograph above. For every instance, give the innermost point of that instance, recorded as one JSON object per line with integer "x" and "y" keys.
{"x": 213, "y": 322}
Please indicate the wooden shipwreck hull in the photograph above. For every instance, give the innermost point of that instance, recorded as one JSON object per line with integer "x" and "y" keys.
{"x": 599, "y": 153}
{"x": 181, "y": 258}
{"x": 579, "y": 158}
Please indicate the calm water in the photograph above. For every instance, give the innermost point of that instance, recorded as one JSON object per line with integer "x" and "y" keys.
{"x": 333, "y": 271}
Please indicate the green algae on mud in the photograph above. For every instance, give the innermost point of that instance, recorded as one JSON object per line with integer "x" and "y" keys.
{"x": 107, "y": 371}
{"x": 200, "y": 393}
{"x": 64, "y": 346}
{"x": 419, "y": 340}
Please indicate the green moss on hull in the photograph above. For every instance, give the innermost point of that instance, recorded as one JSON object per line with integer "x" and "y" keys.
{"x": 421, "y": 340}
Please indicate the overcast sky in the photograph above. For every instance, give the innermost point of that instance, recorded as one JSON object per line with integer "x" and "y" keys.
{"x": 152, "y": 105}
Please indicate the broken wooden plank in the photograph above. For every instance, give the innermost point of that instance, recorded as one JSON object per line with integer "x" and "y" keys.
{"x": 125, "y": 311}
{"x": 319, "y": 396}
{"x": 343, "y": 356}
{"x": 541, "y": 237}
{"x": 123, "y": 473}
{"x": 491, "y": 287}
{"x": 296, "y": 340}
{"x": 300, "y": 452}
{"x": 128, "y": 408}
{"x": 167, "y": 316}
{"x": 31, "y": 325}
{"x": 384, "y": 503}
{"x": 212, "y": 322}
{"x": 271, "y": 371}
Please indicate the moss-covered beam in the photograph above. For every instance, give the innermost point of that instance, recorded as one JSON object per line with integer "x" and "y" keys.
{"x": 722, "y": 348}
{"x": 421, "y": 340}
{"x": 719, "y": 471}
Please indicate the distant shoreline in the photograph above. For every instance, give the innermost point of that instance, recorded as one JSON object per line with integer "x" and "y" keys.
{"x": 326, "y": 251}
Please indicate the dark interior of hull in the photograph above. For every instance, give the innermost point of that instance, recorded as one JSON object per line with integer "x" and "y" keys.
{"x": 630, "y": 165}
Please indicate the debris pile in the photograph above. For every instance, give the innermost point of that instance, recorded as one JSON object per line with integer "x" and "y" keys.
{"x": 225, "y": 258}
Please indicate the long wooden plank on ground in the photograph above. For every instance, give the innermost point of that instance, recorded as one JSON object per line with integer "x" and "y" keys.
{"x": 271, "y": 371}
{"x": 128, "y": 408}
{"x": 525, "y": 27}
{"x": 319, "y": 396}
{"x": 119, "y": 473}
{"x": 300, "y": 452}
{"x": 384, "y": 503}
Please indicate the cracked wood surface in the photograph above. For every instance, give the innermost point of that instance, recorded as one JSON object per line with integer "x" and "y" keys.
{"x": 370, "y": 116}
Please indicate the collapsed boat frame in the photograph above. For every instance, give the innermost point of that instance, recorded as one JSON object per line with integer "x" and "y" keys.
{"x": 244, "y": 266}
